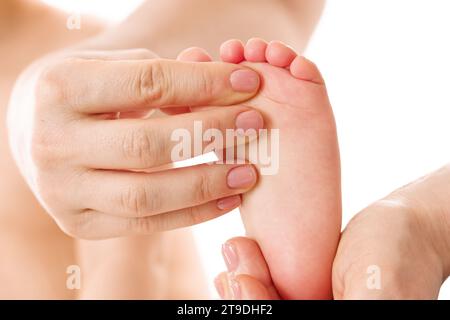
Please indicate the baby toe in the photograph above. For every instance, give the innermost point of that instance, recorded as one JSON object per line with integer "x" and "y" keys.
{"x": 194, "y": 54}
{"x": 304, "y": 69}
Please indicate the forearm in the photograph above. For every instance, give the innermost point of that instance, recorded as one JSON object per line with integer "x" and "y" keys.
{"x": 167, "y": 27}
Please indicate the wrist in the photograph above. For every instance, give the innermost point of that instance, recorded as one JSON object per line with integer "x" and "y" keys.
{"x": 428, "y": 201}
{"x": 439, "y": 197}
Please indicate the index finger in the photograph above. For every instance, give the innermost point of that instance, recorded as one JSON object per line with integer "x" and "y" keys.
{"x": 99, "y": 86}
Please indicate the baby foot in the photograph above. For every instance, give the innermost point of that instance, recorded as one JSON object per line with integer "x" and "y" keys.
{"x": 294, "y": 214}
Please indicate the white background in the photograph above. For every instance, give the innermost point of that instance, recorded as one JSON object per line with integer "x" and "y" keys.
{"x": 386, "y": 63}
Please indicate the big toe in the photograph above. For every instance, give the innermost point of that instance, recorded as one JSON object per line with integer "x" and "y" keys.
{"x": 303, "y": 69}
{"x": 194, "y": 54}
{"x": 279, "y": 55}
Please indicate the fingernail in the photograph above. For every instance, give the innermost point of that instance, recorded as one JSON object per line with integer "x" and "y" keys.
{"x": 249, "y": 120}
{"x": 229, "y": 203}
{"x": 234, "y": 287}
{"x": 230, "y": 256}
{"x": 219, "y": 287}
{"x": 244, "y": 80}
{"x": 241, "y": 177}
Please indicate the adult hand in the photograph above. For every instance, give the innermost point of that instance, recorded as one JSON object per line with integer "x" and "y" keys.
{"x": 84, "y": 163}
{"x": 397, "y": 248}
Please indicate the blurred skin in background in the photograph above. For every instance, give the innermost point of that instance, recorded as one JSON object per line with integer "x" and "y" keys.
{"x": 35, "y": 252}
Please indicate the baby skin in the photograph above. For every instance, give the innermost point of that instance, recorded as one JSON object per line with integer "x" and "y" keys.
{"x": 294, "y": 213}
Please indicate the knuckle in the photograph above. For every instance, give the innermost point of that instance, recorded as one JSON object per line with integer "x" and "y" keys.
{"x": 151, "y": 84}
{"x": 139, "y": 201}
{"x": 43, "y": 150}
{"x": 142, "y": 146}
{"x": 39, "y": 150}
{"x": 142, "y": 226}
{"x": 193, "y": 216}
{"x": 203, "y": 187}
{"x": 51, "y": 84}
{"x": 48, "y": 86}
{"x": 205, "y": 83}
{"x": 47, "y": 142}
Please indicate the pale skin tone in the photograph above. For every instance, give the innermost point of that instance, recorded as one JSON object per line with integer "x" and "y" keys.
{"x": 32, "y": 246}
{"x": 45, "y": 78}
{"x": 27, "y": 247}
{"x": 306, "y": 186}
{"x": 405, "y": 235}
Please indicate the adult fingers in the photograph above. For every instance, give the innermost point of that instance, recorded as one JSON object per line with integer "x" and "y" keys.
{"x": 240, "y": 287}
{"x": 95, "y": 225}
{"x": 133, "y": 194}
{"x": 140, "y": 144}
{"x": 382, "y": 250}
{"x": 126, "y": 85}
{"x": 244, "y": 257}
{"x": 130, "y": 54}
{"x": 193, "y": 54}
